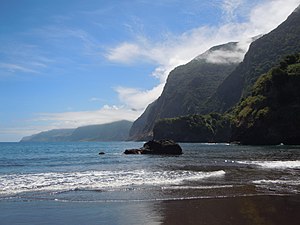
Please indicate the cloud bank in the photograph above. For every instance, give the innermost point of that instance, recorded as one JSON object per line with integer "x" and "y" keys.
{"x": 225, "y": 55}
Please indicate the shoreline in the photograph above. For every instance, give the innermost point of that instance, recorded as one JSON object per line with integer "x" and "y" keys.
{"x": 252, "y": 210}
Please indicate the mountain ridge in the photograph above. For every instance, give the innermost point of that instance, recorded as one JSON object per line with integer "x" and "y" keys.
{"x": 189, "y": 87}
{"x": 115, "y": 131}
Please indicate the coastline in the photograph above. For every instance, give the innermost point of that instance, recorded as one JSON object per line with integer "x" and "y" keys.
{"x": 254, "y": 210}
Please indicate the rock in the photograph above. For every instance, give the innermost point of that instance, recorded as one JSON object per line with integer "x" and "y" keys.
{"x": 133, "y": 151}
{"x": 168, "y": 147}
{"x": 101, "y": 153}
{"x": 161, "y": 147}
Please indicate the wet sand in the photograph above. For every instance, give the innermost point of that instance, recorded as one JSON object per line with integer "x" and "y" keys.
{"x": 251, "y": 210}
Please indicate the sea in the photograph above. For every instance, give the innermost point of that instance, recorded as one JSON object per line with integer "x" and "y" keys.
{"x": 40, "y": 183}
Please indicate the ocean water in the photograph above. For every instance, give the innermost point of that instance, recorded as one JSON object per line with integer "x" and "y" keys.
{"x": 76, "y": 172}
{"x": 56, "y": 173}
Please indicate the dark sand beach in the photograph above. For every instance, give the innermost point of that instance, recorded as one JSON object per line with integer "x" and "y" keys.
{"x": 252, "y": 210}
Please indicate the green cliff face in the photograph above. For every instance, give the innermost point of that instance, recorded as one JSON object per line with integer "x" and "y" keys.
{"x": 263, "y": 54}
{"x": 189, "y": 87}
{"x": 271, "y": 114}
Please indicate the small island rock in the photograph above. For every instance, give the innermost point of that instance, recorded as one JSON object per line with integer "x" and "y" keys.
{"x": 161, "y": 147}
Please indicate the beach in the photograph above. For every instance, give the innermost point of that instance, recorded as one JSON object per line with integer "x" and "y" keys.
{"x": 252, "y": 210}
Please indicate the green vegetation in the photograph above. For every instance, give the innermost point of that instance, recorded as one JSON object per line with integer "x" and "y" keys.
{"x": 263, "y": 54}
{"x": 212, "y": 127}
{"x": 271, "y": 115}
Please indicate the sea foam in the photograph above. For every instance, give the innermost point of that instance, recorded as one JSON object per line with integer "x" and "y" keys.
{"x": 97, "y": 180}
{"x": 274, "y": 164}
{"x": 281, "y": 182}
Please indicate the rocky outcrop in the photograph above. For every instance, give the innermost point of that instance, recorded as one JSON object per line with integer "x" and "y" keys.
{"x": 161, "y": 147}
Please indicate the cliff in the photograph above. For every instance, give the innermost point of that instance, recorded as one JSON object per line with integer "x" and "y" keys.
{"x": 271, "y": 114}
{"x": 263, "y": 54}
{"x": 189, "y": 87}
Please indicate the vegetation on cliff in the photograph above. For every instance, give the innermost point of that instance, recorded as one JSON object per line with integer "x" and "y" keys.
{"x": 212, "y": 127}
{"x": 271, "y": 114}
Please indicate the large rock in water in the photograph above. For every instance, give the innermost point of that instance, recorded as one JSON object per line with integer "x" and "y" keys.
{"x": 161, "y": 147}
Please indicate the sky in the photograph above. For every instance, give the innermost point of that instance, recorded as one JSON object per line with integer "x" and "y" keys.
{"x": 70, "y": 63}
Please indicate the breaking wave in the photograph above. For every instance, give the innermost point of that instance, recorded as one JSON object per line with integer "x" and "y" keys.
{"x": 274, "y": 164}
{"x": 97, "y": 180}
{"x": 281, "y": 182}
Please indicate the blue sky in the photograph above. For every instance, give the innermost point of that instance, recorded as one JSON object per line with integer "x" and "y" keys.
{"x": 68, "y": 63}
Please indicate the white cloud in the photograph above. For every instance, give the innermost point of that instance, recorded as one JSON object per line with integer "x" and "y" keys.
{"x": 23, "y": 58}
{"x": 16, "y": 68}
{"x": 176, "y": 50}
{"x": 49, "y": 121}
{"x": 230, "y": 7}
{"x": 235, "y": 54}
{"x": 81, "y": 118}
{"x": 95, "y": 99}
{"x": 137, "y": 99}
{"x": 124, "y": 53}
{"x": 223, "y": 56}
{"x": 17, "y": 133}
{"x": 270, "y": 14}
